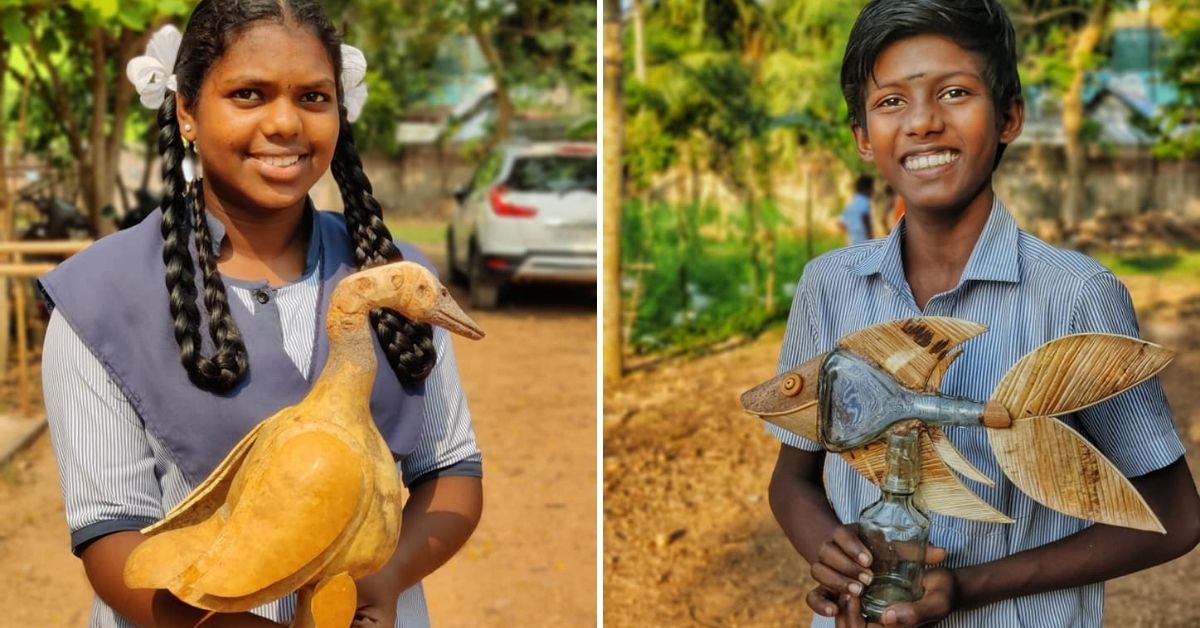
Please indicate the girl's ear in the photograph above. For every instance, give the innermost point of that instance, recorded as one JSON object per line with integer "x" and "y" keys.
{"x": 1012, "y": 121}
{"x": 863, "y": 143}
{"x": 187, "y": 122}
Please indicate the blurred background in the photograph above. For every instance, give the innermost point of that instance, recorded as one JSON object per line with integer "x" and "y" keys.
{"x": 479, "y": 138}
{"x": 728, "y": 162}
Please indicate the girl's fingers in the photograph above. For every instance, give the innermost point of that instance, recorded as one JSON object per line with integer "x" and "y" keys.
{"x": 823, "y": 601}
{"x": 836, "y": 581}
{"x": 846, "y": 537}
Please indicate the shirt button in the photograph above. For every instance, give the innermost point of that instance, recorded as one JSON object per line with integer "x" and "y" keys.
{"x": 261, "y": 296}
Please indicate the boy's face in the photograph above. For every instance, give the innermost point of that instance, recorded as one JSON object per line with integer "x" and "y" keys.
{"x": 931, "y": 126}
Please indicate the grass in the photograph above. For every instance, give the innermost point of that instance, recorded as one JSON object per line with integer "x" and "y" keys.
{"x": 424, "y": 232}
{"x": 1181, "y": 263}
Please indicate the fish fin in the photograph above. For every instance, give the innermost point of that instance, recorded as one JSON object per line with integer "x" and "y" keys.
{"x": 934, "y": 383}
{"x": 910, "y": 349}
{"x": 205, "y": 499}
{"x": 941, "y": 491}
{"x": 1058, "y": 468}
{"x": 954, "y": 458}
{"x": 1073, "y": 372}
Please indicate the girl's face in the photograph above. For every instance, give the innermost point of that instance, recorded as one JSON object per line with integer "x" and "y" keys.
{"x": 266, "y": 120}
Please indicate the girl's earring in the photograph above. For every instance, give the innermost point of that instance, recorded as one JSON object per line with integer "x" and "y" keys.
{"x": 191, "y": 167}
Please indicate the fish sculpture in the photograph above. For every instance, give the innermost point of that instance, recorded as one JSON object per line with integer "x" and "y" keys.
{"x": 310, "y": 499}
{"x": 903, "y": 361}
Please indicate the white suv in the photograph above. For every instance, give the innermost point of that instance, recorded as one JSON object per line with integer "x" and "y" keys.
{"x": 528, "y": 214}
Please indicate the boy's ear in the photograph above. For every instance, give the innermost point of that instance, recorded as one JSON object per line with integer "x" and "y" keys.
{"x": 863, "y": 143}
{"x": 1012, "y": 121}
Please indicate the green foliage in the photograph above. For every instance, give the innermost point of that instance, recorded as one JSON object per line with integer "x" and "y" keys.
{"x": 1181, "y": 263}
{"x": 694, "y": 290}
{"x": 542, "y": 44}
{"x": 1180, "y": 123}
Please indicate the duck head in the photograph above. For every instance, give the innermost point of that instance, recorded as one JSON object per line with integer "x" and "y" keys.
{"x": 409, "y": 289}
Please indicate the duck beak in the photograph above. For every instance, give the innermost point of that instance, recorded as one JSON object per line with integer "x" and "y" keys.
{"x": 446, "y": 313}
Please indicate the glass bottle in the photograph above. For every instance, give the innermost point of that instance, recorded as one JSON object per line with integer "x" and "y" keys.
{"x": 895, "y": 530}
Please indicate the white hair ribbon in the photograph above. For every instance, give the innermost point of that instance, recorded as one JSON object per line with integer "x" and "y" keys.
{"x": 151, "y": 73}
{"x": 354, "y": 90}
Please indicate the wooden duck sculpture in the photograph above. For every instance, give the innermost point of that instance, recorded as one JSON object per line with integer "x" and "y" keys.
{"x": 1042, "y": 456}
{"x": 309, "y": 500}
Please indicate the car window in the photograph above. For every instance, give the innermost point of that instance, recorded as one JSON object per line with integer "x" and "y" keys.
{"x": 553, "y": 173}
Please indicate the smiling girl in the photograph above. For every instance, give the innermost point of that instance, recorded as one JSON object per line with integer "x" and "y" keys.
{"x": 148, "y": 384}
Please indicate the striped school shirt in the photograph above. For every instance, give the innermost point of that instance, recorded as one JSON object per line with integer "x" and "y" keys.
{"x": 116, "y": 476}
{"x": 1027, "y": 293}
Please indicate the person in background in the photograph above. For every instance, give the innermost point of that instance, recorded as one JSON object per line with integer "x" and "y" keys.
{"x": 856, "y": 218}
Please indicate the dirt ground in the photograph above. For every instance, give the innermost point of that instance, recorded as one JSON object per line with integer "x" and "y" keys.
{"x": 532, "y": 561}
{"x": 688, "y": 535}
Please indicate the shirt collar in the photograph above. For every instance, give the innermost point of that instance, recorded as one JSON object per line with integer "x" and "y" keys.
{"x": 994, "y": 258}
{"x": 311, "y": 256}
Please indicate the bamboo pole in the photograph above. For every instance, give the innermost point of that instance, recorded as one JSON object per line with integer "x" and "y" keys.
{"x": 22, "y": 341}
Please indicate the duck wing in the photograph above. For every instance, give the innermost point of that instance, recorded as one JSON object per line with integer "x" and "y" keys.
{"x": 206, "y": 498}
{"x": 297, "y": 506}
{"x": 1053, "y": 463}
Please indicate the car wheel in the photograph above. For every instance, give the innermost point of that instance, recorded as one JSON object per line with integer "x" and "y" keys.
{"x": 456, "y": 276}
{"x": 484, "y": 292}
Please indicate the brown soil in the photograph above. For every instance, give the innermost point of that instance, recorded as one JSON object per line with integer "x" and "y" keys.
{"x": 690, "y": 540}
{"x": 532, "y": 561}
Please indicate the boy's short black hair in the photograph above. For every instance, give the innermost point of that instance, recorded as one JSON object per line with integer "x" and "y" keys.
{"x": 979, "y": 26}
{"x": 864, "y": 184}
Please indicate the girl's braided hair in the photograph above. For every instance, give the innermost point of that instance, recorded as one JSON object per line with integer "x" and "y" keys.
{"x": 213, "y": 25}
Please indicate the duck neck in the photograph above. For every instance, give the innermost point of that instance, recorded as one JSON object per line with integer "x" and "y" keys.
{"x": 349, "y": 372}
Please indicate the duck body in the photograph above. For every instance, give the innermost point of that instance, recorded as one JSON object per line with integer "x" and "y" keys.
{"x": 310, "y": 499}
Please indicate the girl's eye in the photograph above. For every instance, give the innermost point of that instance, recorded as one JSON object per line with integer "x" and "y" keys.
{"x": 315, "y": 97}
{"x": 246, "y": 94}
{"x": 953, "y": 92}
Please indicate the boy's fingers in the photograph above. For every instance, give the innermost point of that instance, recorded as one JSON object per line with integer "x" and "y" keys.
{"x": 822, "y": 601}
{"x": 830, "y": 579}
{"x": 851, "y": 615}
{"x": 832, "y": 556}
{"x": 934, "y": 555}
{"x": 846, "y": 536}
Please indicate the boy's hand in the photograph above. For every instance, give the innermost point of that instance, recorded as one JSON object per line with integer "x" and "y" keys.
{"x": 842, "y": 566}
{"x": 941, "y": 592}
{"x": 842, "y": 573}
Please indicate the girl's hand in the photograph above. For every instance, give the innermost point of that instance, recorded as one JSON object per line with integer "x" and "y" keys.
{"x": 377, "y": 597}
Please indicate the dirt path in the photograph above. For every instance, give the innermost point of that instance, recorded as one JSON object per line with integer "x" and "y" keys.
{"x": 531, "y": 389}
{"x": 689, "y": 538}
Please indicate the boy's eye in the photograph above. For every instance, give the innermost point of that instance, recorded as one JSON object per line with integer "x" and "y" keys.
{"x": 891, "y": 101}
{"x": 953, "y": 92}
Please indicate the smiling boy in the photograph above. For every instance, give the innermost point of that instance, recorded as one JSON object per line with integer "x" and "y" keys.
{"x": 934, "y": 98}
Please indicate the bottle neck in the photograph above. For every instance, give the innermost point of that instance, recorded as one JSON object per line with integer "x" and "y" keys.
{"x": 903, "y": 464}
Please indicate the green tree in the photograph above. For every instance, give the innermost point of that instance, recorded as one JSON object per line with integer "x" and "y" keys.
{"x": 70, "y": 54}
